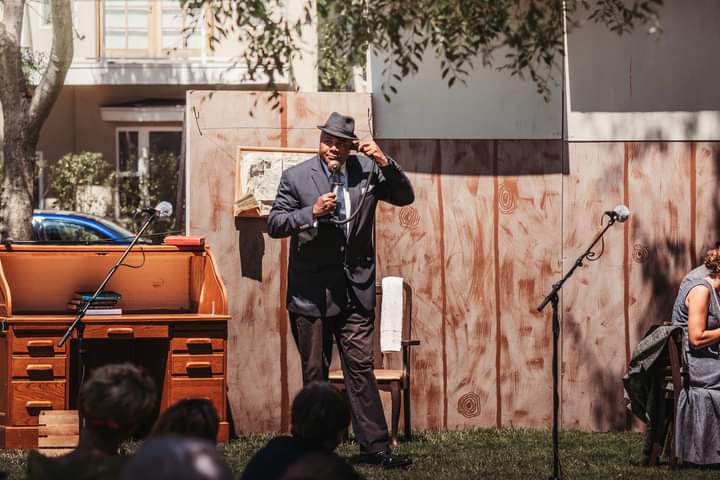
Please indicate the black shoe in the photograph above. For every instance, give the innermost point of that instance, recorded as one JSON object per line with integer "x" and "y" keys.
{"x": 385, "y": 459}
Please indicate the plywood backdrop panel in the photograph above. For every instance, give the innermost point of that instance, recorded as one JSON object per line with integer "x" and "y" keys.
{"x": 706, "y": 216}
{"x": 410, "y": 245}
{"x": 659, "y": 181}
{"x": 470, "y": 321}
{"x": 494, "y": 224}
{"x": 263, "y": 364}
{"x": 592, "y": 299}
{"x": 529, "y": 239}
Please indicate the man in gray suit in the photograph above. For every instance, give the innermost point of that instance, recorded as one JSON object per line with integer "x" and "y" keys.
{"x": 327, "y": 206}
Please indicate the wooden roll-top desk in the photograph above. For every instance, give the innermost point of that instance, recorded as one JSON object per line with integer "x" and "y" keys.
{"x": 173, "y": 323}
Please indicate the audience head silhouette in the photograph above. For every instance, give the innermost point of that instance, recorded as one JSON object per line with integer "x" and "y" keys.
{"x": 321, "y": 466}
{"x": 115, "y": 400}
{"x": 193, "y": 417}
{"x": 175, "y": 457}
{"x": 320, "y": 415}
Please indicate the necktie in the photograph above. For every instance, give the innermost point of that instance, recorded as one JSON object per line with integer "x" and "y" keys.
{"x": 340, "y": 197}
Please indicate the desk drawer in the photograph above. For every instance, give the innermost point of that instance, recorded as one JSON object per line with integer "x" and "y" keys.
{"x": 198, "y": 345}
{"x": 126, "y": 331}
{"x": 39, "y": 368}
{"x": 30, "y": 398}
{"x": 198, "y": 365}
{"x": 38, "y": 346}
{"x": 212, "y": 389}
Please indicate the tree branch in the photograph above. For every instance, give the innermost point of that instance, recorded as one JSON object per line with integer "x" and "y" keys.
{"x": 61, "y": 56}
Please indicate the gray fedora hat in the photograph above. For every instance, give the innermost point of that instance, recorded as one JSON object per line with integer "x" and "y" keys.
{"x": 340, "y": 126}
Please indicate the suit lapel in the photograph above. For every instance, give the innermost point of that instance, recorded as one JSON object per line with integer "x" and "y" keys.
{"x": 322, "y": 183}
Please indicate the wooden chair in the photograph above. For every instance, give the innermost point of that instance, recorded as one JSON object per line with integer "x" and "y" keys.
{"x": 392, "y": 369}
{"x": 674, "y": 381}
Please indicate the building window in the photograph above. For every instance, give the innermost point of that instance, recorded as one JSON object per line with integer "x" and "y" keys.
{"x": 151, "y": 29}
{"x": 147, "y": 167}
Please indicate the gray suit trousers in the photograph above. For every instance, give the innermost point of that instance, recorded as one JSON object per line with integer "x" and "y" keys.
{"x": 353, "y": 332}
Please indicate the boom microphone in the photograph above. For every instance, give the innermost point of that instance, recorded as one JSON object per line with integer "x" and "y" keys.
{"x": 162, "y": 210}
{"x": 619, "y": 213}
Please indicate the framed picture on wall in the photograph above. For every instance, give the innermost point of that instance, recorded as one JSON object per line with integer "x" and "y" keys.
{"x": 257, "y": 176}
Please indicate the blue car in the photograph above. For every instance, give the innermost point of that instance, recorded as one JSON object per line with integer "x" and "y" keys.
{"x": 51, "y": 226}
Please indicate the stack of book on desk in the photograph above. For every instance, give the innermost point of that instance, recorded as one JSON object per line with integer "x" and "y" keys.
{"x": 104, "y": 304}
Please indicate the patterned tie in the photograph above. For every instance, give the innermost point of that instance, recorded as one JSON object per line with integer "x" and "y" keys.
{"x": 340, "y": 196}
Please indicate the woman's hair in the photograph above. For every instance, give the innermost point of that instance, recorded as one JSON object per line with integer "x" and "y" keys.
{"x": 712, "y": 261}
{"x": 193, "y": 417}
{"x": 117, "y": 398}
{"x": 319, "y": 413}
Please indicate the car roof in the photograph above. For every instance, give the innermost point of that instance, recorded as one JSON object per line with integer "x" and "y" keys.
{"x": 86, "y": 218}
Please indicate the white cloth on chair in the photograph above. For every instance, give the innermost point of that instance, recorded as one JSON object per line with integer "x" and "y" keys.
{"x": 391, "y": 314}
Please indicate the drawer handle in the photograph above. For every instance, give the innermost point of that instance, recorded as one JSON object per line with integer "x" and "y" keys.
{"x": 35, "y": 404}
{"x": 40, "y": 367}
{"x": 120, "y": 331}
{"x": 40, "y": 344}
{"x": 198, "y": 341}
{"x": 197, "y": 365}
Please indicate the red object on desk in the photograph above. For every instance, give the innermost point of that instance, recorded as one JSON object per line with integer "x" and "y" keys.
{"x": 185, "y": 240}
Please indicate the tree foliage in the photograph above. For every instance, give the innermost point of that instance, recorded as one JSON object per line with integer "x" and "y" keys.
{"x": 527, "y": 35}
{"x": 75, "y": 171}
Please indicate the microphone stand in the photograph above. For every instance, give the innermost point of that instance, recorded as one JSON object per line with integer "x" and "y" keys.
{"x": 78, "y": 325}
{"x": 554, "y": 299}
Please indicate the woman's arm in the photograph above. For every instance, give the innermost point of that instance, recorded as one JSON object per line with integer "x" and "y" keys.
{"x": 698, "y": 301}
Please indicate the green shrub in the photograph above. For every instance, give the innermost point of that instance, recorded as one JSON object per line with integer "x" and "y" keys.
{"x": 75, "y": 170}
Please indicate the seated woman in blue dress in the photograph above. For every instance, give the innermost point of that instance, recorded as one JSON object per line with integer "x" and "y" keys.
{"x": 697, "y": 310}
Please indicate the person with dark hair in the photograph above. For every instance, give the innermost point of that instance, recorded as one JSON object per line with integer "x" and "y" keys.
{"x": 113, "y": 402}
{"x": 326, "y": 205}
{"x": 697, "y": 311}
{"x": 192, "y": 417}
{"x": 319, "y": 420}
{"x": 177, "y": 457}
{"x": 321, "y": 466}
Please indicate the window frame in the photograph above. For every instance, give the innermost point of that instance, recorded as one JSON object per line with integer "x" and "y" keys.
{"x": 155, "y": 49}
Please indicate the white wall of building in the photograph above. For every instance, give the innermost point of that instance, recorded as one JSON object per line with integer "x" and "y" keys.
{"x": 647, "y": 86}
{"x": 492, "y": 105}
{"x": 641, "y": 86}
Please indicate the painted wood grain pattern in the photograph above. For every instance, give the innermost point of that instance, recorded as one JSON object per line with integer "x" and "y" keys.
{"x": 529, "y": 240}
{"x": 253, "y": 332}
{"x": 592, "y": 300}
{"x": 707, "y": 217}
{"x": 470, "y": 279}
{"x": 659, "y": 240}
{"x": 263, "y": 364}
{"x": 409, "y": 244}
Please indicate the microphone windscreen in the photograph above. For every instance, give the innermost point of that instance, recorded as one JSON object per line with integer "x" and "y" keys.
{"x": 164, "y": 209}
{"x": 622, "y": 213}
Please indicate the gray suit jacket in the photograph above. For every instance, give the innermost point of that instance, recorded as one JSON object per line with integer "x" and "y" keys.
{"x": 328, "y": 270}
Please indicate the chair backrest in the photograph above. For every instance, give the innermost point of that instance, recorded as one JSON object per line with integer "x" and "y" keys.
{"x": 391, "y": 359}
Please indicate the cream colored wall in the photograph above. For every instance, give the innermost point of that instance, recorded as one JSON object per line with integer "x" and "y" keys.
{"x": 89, "y": 69}
{"x": 75, "y": 123}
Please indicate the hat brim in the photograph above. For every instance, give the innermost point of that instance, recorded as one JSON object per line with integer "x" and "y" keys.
{"x": 337, "y": 133}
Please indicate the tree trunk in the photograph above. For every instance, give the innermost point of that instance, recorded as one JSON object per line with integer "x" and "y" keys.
{"x": 18, "y": 182}
{"x": 22, "y": 117}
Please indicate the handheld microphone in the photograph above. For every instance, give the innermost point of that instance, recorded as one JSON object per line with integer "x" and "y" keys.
{"x": 162, "y": 209}
{"x": 333, "y": 166}
{"x": 619, "y": 213}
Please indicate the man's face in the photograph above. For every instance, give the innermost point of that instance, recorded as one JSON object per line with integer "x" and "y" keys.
{"x": 334, "y": 148}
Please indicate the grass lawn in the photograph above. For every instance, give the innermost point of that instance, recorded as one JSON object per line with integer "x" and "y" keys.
{"x": 478, "y": 454}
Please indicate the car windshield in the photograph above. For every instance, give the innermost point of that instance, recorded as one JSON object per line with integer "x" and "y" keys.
{"x": 123, "y": 233}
